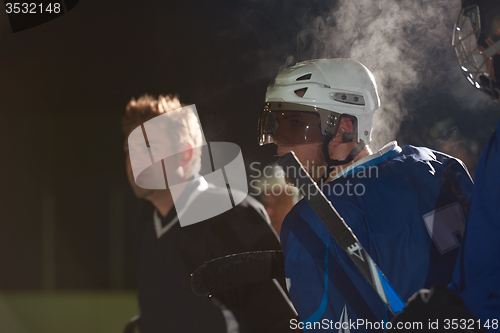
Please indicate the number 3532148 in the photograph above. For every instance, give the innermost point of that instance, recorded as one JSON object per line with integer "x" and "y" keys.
{"x": 32, "y": 8}
{"x": 470, "y": 324}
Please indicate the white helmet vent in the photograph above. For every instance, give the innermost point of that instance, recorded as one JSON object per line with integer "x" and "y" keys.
{"x": 348, "y": 98}
{"x": 300, "y": 92}
{"x": 304, "y": 77}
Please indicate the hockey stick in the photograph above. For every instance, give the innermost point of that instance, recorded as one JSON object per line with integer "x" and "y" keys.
{"x": 342, "y": 234}
{"x": 234, "y": 270}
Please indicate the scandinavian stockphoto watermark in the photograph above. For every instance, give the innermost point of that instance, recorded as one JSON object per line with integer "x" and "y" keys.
{"x": 263, "y": 180}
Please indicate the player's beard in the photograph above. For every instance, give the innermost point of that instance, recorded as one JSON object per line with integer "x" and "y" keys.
{"x": 316, "y": 167}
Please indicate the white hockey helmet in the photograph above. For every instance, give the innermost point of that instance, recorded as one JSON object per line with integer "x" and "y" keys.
{"x": 305, "y": 102}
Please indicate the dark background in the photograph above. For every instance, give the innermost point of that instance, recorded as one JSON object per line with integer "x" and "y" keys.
{"x": 66, "y": 210}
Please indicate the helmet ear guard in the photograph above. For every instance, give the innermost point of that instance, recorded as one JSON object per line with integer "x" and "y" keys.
{"x": 346, "y": 137}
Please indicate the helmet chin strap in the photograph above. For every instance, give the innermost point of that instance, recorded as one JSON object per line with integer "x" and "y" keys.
{"x": 331, "y": 164}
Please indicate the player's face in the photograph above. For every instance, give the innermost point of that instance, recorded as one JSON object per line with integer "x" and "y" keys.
{"x": 294, "y": 128}
{"x": 300, "y": 132}
{"x": 309, "y": 154}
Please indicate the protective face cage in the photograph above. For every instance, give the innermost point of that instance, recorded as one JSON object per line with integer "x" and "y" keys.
{"x": 291, "y": 124}
{"x": 474, "y": 64}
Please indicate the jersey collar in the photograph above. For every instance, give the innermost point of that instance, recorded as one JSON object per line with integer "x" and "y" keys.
{"x": 387, "y": 152}
{"x": 193, "y": 189}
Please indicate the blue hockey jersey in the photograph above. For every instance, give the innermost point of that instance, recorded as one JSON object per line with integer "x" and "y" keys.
{"x": 407, "y": 206}
{"x": 477, "y": 274}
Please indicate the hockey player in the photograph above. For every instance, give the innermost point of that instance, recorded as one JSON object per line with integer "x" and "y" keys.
{"x": 167, "y": 253}
{"x": 476, "y": 39}
{"x": 406, "y": 205}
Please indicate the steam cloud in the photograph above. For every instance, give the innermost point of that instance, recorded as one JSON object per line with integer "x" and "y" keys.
{"x": 405, "y": 44}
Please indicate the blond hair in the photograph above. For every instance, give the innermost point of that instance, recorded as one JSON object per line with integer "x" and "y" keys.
{"x": 185, "y": 125}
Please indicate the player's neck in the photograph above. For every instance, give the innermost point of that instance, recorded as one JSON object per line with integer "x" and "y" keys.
{"x": 163, "y": 202}
{"x": 338, "y": 169}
